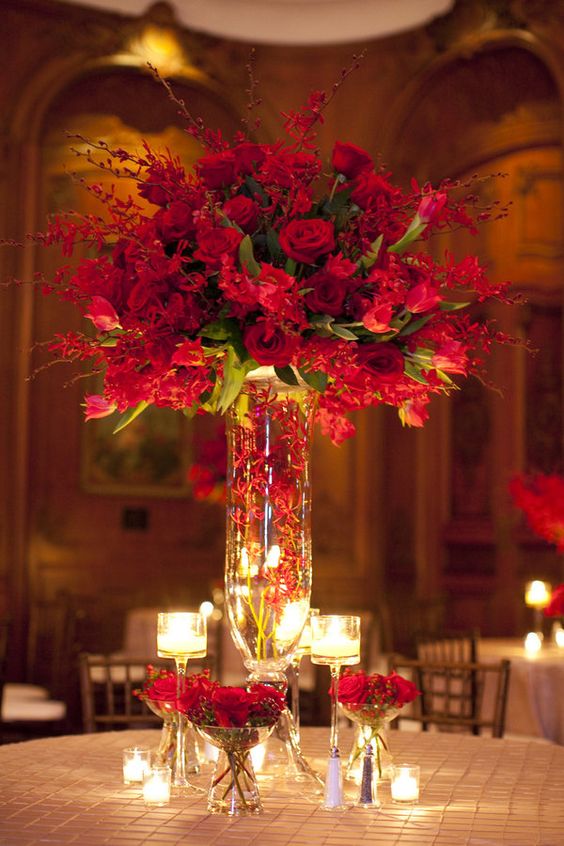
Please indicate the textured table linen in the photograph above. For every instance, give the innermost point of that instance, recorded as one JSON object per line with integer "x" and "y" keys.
{"x": 474, "y": 791}
{"x": 535, "y": 704}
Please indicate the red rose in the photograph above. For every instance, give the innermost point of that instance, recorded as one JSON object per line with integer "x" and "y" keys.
{"x": 269, "y": 344}
{"x": 353, "y": 688}
{"x": 153, "y": 191}
{"x": 242, "y": 211}
{"x": 216, "y": 243}
{"x": 198, "y": 688}
{"x": 308, "y": 239}
{"x": 555, "y": 607}
{"x": 267, "y": 695}
{"x": 176, "y": 222}
{"x": 248, "y": 157}
{"x": 350, "y": 160}
{"x": 217, "y": 170}
{"x": 385, "y": 361}
{"x": 328, "y": 293}
{"x": 371, "y": 189}
{"x": 163, "y": 689}
{"x": 230, "y": 706}
{"x": 405, "y": 690}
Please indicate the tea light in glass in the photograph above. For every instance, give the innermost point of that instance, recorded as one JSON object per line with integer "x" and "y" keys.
{"x": 156, "y": 786}
{"x": 181, "y": 635}
{"x": 533, "y": 643}
{"x": 136, "y": 762}
{"x": 405, "y": 783}
{"x": 335, "y": 640}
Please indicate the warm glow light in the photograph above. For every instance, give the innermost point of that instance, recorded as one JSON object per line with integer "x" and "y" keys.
{"x": 273, "y": 556}
{"x": 533, "y": 643}
{"x": 206, "y": 608}
{"x": 159, "y": 46}
{"x": 335, "y": 640}
{"x": 258, "y": 754}
{"x": 181, "y": 633}
{"x": 405, "y": 784}
{"x": 291, "y": 621}
{"x": 156, "y": 786}
{"x": 537, "y": 594}
{"x": 558, "y": 634}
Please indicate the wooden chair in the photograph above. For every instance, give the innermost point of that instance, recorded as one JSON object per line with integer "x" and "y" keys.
{"x": 455, "y": 696}
{"x": 453, "y": 647}
{"x": 106, "y": 688}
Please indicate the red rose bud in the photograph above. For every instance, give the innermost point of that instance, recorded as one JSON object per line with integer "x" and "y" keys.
{"x": 269, "y": 345}
{"x": 405, "y": 690}
{"x": 230, "y": 706}
{"x": 350, "y": 160}
{"x": 244, "y": 212}
{"x": 353, "y": 688}
{"x": 248, "y": 158}
{"x": 328, "y": 293}
{"x": 384, "y": 361}
{"x": 430, "y": 206}
{"x": 308, "y": 239}
{"x": 217, "y": 243}
{"x": 163, "y": 689}
{"x": 217, "y": 170}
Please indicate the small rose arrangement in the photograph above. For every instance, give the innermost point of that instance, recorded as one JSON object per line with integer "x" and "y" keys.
{"x": 158, "y": 691}
{"x": 375, "y": 693}
{"x": 371, "y": 701}
{"x": 208, "y": 703}
{"x": 266, "y": 254}
{"x": 541, "y": 498}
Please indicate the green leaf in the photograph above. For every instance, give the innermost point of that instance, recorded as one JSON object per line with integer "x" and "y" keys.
{"x": 444, "y": 306}
{"x": 371, "y": 255}
{"x": 412, "y": 327}
{"x": 219, "y": 330}
{"x": 341, "y": 332}
{"x": 130, "y": 415}
{"x": 287, "y": 375}
{"x": 414, "y": 373}
{"x": 109, "y": 342}
{"x": 316, "y": 379}
{"x": 290, "y": 267}
{"x": 233, "y": 376}
{"x": 273, "y": 245}
{"x": 246, "y": 256}
{"x": 255, "y": 188}
{"x": 414, "y": 231}
{"x": 444, "y": 377}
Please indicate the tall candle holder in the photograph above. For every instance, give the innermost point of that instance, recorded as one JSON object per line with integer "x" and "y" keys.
{"x": 303, "y": 648}
{"x": 181, "y": 635}
{"x": 335, "y": 642}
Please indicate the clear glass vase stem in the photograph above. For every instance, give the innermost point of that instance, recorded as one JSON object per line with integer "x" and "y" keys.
{"x": 335, "y": 673}
{"x": 179, "y": 775}
{"x": 295, "y": 693}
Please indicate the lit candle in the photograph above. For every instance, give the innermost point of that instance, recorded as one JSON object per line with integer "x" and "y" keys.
{"x": 405, "y": 784}
{"x": 156, "y": 786}
{"x": 559, "y": 637}
{"x": 537, "y": 594}
{"x": 181, "y": 633}
{"x": 136, "y": 763}
{"x": 291, "y": 621}
{"x": 533, "y": 643}
{"x": 336, "y": 646}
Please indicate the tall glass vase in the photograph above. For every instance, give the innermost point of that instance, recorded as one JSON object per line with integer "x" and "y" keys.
{"x": 268, "y": 554}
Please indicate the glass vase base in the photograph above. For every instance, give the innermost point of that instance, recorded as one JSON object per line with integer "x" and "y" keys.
{"x": 283, "y": 758}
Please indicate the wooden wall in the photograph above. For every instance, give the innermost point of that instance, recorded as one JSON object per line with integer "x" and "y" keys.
{"x": 396, "y": 511}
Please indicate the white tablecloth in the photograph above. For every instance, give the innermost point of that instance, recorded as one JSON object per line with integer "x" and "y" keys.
{"x": 535, "y": 704}
{"x": 475, "y": 791}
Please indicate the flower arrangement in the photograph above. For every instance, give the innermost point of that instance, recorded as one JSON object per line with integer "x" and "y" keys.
{"x": 208, "y": 703}
{"x": 159, "y": 691}
{"x": 541, "y": 498}
{"x": 267, "y": 255}
{"x": 372, "y": 701}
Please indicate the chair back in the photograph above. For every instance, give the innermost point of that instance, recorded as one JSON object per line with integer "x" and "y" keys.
{"x": 455, "y": 696}
{"x": 402, "y": 617}
{"x": 106, "y": 687}
{"x": 453, "y": 647}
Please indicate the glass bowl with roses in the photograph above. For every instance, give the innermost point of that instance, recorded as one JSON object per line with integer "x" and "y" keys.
{"x": 235, "y": 720}
{"x": 372, "y": 701}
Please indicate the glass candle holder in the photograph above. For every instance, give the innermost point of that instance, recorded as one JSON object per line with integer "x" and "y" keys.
{"x": 303, "y": 648}
{"x": 405, "y": 783}
{"x": 136, "y": 762}
{"x": 532, "y": 643}
{"x": 181, "y": 635}
{"x": 156, "y": 786}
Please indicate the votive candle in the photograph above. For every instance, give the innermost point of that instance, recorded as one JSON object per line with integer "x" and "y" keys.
{"x": 405, "y": 783}
{"x": 181, "y": 633}
{"x": 156, "y": 786}
{"x": 136, "y": 762}
{"x": 537, "y": 594}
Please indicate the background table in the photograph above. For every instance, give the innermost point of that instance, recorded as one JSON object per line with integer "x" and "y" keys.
{"x": 535, "y": 704}
{"x": 475, "y": 791}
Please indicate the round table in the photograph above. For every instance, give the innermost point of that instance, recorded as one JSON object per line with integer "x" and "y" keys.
{"x": 535, "y": 703}
{"x": 475, "y": 791}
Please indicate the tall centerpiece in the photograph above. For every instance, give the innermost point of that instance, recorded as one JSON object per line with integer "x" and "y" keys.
{"x": 274, "y": 284}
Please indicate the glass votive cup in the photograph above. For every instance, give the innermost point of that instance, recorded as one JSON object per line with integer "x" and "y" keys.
{"x": 156, "y": 786}
{"x": 405, "y": 783}
{"x": 136, "y": 762}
